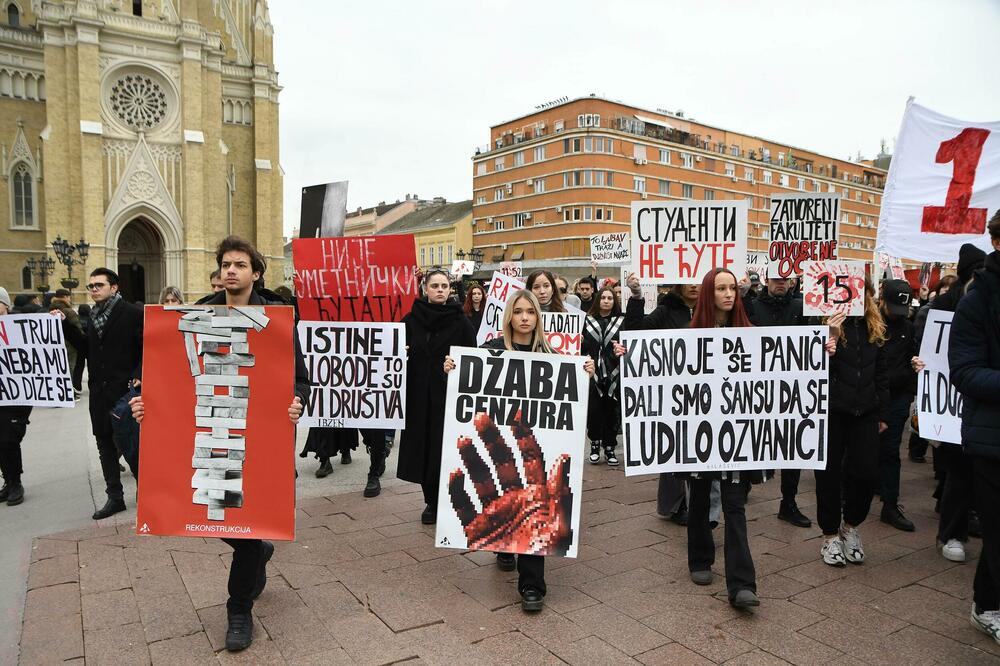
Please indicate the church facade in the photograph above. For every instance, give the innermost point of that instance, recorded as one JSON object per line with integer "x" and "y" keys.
{"x": 147, "y": 129}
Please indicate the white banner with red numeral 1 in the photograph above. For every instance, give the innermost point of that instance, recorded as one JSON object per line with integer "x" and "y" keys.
{"x": 943, "y": 186}
{"x": 831, "y": 287}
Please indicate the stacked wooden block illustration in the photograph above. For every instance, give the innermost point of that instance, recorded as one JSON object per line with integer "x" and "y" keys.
{"x": 215, "y": 339}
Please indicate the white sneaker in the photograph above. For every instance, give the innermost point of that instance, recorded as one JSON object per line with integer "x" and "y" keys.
{"x": 954, "y": 550}
{"x": 833, "y": 552}
{"x": 987, "y": 622}
{"x": 853, "y": 550}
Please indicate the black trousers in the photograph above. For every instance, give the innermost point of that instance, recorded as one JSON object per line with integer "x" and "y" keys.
{"x": 740, "y": 574}
{"x": 430, "y": 489}
{"x": 602, "y": 418}
{"x": 888, "y": 447}
{"x": 986, "y": 586}
{"x": 670, "y": 494}
{"x": 790, "y": 484}
{"x": 81, "y": 363}
{"x": 852, "y": 463}
{"x": 956, "y": 495}
{"x": 109, "y": 455}
{"x": 243, "y": 573}
{"x": 531, "y": 573}
{"x": 917, "y": 445}
{"x": 10, "y": 456}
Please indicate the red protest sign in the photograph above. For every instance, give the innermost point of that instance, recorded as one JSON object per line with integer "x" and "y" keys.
{"x": 368, "y": 278}
{"x": 216, "y": 446}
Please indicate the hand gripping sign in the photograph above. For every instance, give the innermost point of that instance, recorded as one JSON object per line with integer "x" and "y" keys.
{"x": 512, "y": 452}
{"x": 943, "y": 185}
{"x": 829, "y": 287}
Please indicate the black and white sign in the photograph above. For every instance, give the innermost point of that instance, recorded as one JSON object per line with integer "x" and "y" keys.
{"x": 939, "y": 404}
{"x": 33, "y": 365}
{"x": 611, "y": 249}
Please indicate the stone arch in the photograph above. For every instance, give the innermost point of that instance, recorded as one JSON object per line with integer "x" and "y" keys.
{"x": 171, "y": 266}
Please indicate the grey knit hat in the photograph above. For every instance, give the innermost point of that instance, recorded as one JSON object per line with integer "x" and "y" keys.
{"x": 5, "y": 297}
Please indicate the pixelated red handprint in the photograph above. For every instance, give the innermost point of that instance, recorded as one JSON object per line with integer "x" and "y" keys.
{"x": 531, "y": 517}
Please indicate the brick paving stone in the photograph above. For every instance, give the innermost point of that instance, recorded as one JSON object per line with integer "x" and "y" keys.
{"x": 402, "y": 610}
{"x": 956, "y": 581}
{"x": 298, "y": 632}
{"x": 51, "y": 638}
{"x": 621, "y": 631}
{"x": 102, "y": 568}
{"x": 778, "y": 586}
{"x": 857, "y": 640}
{"x": 192, "y": 650}
{"x": 43, "y": 549}
{"x": 930, "y": 609}
{"x": 204, "y": 576}
{"x": 783, "y": 642}
{"x": 673, "y": 654}
{"x": 303, "y": 575}
{"x": 565, "y": 599}
{"x": 591, "y": 650}
{"x": 368, "y": 641}
{"x": 52, "y": 601}
{"x": 493, "y": 594}
{"x": 116, "y": 647}
{"x": 548, "y": 629}
{"x": 167, "y": 616}
{"x": 474, "y": 622}
{"x": 756, "y": 658}
{"x": 514, "y": 649}
{"x": 54, "y": 571}
{"x": 107, "y": 610}
{"x": 942, "y": 649}
{"x": 605, "y": 587}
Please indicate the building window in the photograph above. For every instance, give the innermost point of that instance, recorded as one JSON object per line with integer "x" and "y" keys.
{"x": 639, "y": 151}
{"x": 749, "y": 201}
{"x": 481, "y": 199}
{"x": 588, "y": 120}
{"x": 588, "y": 178}
{"x": 23, "y": 197}
{"x": 815, "y": 185}
{"x": 747, "y": 174}
{"x": 539, "y": 185}
{"x": 137, "y": 7}
{"x": 423, "y": 262}
{"x": 730, "y": 169}
{"x": 539, "y": 153}
{"x": 846, "y": 193}
{"x": 709, "y": 195}
{"x": 801, "y": 183}
{"x": 600, "y": 213}
{"x": 664, "y": 156}
{"x": 27, "y": 279}
{"x": 609, "y": 179}
{"x": 518, "y": 221}
{"x": 566, "y": 215}
{"x": 498, "y": 194}
{"x": 588, "y": 213}
{"x": 687, "y": 191}
{"x": 558, "y": 126}
{"x": 783, "y": 179}
{"x": 519, "y": 158}
{"x": 498, "y": 164}
{"x": 638, "y": 183}
{"x": 481, "y": 169}
{"x": 781, "y": 159}
{"x": 665, "y": 187}
{"x": 607, "y": 215}
{"x": 687, "y": 160}
{"x": 766, "y": 177}
{"x": 734, "y": 150}
{"x": 857, "y": 220}
{"x": 588, "y": 144}
{"x": 576, "y": 214}
{"x": 13, "y": 16}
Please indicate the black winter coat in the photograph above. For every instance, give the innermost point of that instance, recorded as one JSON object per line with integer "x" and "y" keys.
{"x": 768, "y": 310}
{"x": 859, "y": 380}
{"x": 974, "y": 358}
{"x": 431, "y": 331}
{"x": 671, "y": 312}
{"x": 899, "y": 349}
{"x": 112, "y": 361}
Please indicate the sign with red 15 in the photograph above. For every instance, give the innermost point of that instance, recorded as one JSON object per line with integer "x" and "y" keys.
{"x": 830, "y": 287}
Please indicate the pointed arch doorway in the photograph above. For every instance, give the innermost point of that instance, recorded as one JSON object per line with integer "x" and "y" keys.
{"x": 141, "y": 266}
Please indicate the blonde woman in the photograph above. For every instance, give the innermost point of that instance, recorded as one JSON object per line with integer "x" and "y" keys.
{"x": 171, "y": 296}
{"x": 523, "y": 331}
{"x": 859, "y": 403}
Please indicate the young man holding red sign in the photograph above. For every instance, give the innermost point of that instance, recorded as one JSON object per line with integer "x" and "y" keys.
{"x": 241, "y": 266}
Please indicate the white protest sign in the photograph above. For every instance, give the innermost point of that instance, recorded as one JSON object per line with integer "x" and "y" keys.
{"x": 939, "y": 404}
{"x": 512, "y": 269}
{"x": 757, "y": 262}
{"x": 706, "y": 400}
{"x": 943, "y": 185}
{"x": 34, "y": 369}
{"x": 650, "y": 294}
{"x": 463, "y": 267}
{"x": 679, "y": 242}
{"x": 357, "y": 372}
{"x": 802, "y": 227}
{"x": 831, "y": 287}
{"x": 610, "y": 248}
{"x": 563, "y": 330}
{"x": 512, "y": 454}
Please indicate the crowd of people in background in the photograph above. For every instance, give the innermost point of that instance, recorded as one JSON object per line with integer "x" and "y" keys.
{"x": 873, "y": 370}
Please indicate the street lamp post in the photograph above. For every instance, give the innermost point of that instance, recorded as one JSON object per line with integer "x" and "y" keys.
{"x": 65, "y": 251}
{"x": 43, "y": 269}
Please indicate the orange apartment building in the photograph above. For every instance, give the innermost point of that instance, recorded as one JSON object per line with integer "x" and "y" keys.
{"x": 550, "y": 179}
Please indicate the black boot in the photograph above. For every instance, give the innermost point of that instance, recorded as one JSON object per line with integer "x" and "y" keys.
{"x": 15, "y": 495}
{"x": 429, "y": 515}
{"x": 377, "y": 454}
{"x": 325, "y": 469}
{"x": 239, "y": 635}
{"x": 110, "y": 508}
{"x": 345, "y": 457}
{"x": 789, "y": 512}
{"x": 892, "y": 515}
{"x": 5, "y": 492}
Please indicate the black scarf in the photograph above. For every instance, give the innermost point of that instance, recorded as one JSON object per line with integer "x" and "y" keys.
{"x": 99, "y": 315}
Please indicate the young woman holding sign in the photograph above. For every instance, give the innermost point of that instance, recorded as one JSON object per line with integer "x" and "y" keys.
{"x": 542, "y": 284}
{"x": 433, "y": 325}
{"x": 859, "y": 404}
{"x": 522, "y": 331}
{"x": 600, "y": 332}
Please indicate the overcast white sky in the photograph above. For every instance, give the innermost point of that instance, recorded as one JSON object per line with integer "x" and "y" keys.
{"x": 395, "y": 96}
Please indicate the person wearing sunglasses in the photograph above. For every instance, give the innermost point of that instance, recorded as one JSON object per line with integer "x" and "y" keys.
{"x": 113, "y": 348}
{"x": 563, "y": 287}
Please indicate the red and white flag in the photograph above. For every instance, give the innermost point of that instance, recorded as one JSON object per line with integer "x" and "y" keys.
{"x": 943, "y": 186}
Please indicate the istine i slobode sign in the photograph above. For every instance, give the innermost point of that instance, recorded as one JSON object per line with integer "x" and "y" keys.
{"x": 679, "y": 242}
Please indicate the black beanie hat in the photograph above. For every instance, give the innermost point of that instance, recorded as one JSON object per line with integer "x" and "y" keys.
{"x": 970, "y": 258}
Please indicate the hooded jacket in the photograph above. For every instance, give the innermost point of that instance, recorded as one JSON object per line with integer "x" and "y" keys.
{"x": 768, "y": 310}
{"x": 671, "y": 312}
{"x": 974, "y": 359}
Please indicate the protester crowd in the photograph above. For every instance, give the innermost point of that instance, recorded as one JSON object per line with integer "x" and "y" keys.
{"x": 873, "y": 366}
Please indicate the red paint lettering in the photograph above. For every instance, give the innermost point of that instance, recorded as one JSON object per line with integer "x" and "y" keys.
{"x": 955, "y": 216}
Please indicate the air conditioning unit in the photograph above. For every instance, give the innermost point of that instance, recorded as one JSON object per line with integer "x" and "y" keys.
{"x": 735, "y": 179}
{"x": 638, "y": 160}
{"x": 503, "y": 246}
{"x": 489, "y": 220}
{"x": 527, "y": 216}
{"x": 529, "y": 182}
{"x": 642, "y": 161}
{"x": 558, "y": 209}
{"x": 697, "y": 158}
{"x": 510, "y": 188}
{"x": 645, "y": 195}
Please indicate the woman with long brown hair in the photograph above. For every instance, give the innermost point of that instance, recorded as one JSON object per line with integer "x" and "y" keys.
{"x": 859, "y": 400}
{"x": 475, "y": 302}
{"x": 543, "y": 285}
{"x": 600, "y": 332}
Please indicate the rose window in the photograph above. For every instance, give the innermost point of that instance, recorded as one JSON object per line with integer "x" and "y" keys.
{"x": 139, "y": 101}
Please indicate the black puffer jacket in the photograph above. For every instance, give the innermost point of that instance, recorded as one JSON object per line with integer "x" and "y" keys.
{"x": 859, "y": 381}
{"x": 768, "y": 310}
{"x": 671, "y": 312}
{"x": 898, "y": 350}
{"x": 974, "y": 358}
